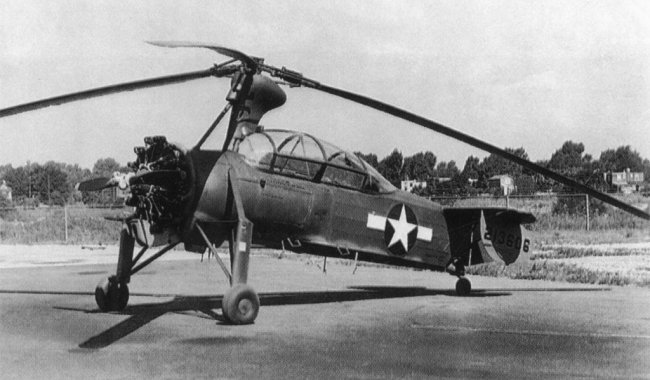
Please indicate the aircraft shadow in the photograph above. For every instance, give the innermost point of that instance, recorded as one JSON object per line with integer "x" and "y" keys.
{"x": 142, "y": 314}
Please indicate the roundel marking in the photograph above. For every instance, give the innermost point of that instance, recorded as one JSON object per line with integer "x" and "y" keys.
{"x": 401, "y": 230}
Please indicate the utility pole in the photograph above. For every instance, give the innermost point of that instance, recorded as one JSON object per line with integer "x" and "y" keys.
{"x": 29, "y": 181}
{"x": 587, "y": 208}
{"x": 65, "y": 217}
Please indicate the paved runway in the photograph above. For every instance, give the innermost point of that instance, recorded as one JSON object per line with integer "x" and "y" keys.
{"x": 377, "y": 323}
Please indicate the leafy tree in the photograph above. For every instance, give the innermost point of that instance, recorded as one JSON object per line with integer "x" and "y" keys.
{"x": 18, "y": 180}
{"x": 496, "y": 165}
{"x": 447, "y": 169}
{"x": 391, "y": 167}
{"x": 76, "y": 174}
{"x": 370, "y": 158}
{"x": 50, "y": 183}
{"x": 472, "y": 168}
{"x": 420, "y": 166}
{"x": 4, "y": 169}
{"x": 620, "y": 159}
{"x": 569, "y": 159}
{"x": 105, "y": 167}
{"x": 471, "y": 171}
{"x": 543, "y": 183}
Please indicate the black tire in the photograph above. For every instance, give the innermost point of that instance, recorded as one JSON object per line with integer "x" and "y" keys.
{"x": 463, "y": 286}
{"x": 120, "y": 297}
{"x": 111, "y": 296}
{"x": 240, "y": 305}
{"x": 101, "y": 295}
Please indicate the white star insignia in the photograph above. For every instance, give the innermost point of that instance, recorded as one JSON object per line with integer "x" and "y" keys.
{"x": 402, "y": 229}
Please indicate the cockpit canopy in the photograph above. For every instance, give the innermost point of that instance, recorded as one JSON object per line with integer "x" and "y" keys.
{"x": 301, "y": 155}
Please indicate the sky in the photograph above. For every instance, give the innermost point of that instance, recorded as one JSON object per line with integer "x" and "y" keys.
{"x": 514, "y": 73}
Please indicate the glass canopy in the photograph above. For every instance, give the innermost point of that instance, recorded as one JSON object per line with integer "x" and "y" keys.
{"x": 301, "y": 155}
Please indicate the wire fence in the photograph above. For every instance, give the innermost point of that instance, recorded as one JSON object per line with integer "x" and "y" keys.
{"x": 560, "y": 211}
{"x": 71, "y": 224}
{"x": 81, "y": 224}
{"x": 539, "y": 203}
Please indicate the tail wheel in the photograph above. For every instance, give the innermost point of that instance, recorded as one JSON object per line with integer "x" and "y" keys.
{"x": 240, "y": 305}
{"x": 111, "y": 295}
{"x": 463, "y": 286}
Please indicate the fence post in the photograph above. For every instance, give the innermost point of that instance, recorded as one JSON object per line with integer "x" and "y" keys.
{"x": 587, "y": 208}
{"x": 65, "y": 217}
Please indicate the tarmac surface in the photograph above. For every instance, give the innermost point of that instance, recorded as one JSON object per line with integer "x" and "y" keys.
{"x": 376, "y": 323}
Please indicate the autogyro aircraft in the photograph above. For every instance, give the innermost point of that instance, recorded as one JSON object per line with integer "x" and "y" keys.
{"x": 282, "y": 188}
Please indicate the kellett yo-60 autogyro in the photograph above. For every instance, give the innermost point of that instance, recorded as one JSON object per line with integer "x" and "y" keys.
{"x": 282, "y": 188}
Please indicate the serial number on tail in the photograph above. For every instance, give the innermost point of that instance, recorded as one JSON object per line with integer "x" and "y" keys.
{"x": 505, "y": 238}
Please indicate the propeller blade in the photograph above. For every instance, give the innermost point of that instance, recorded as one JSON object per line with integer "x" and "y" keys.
{"x": 95, "y": 184}
{"x": 296, "y": 78}
{"x": 156, "y": 177}
{"x": 107, "y": 90}
{"x": 245, "y": 59}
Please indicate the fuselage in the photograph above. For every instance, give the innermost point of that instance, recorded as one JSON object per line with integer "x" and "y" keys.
{"x": 305, "y": 195}
{"x": 315, "y": 217}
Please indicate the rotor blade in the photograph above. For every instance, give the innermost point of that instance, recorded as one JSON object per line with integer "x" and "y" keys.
{"x": 101, "y": 91}
{"x": 95, "y": 184}
{"x": 245, "y": 59}
{"x": 437, "y": 127}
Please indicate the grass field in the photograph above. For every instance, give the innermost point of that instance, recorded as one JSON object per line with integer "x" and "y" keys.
{"x": 48, "y": 225}
{"x": 605, "y": 264}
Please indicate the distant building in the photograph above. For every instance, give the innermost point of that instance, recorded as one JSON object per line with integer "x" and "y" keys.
{"x": 411, "y": 184}
{"x": 504, "y": 184}
{"x": 439, "y": 180}
{"x": 625, "y": 181}
{"x": 5, "y": 191}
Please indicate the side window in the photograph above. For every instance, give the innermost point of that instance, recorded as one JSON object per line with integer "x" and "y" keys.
{"x": 257, "y": 150}
{"x": 295, "y": 167}
{"x": 343, "y": 177}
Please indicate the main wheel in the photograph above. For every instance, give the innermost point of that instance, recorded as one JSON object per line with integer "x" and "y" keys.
{"x": 463, "y": 286}
{"x": 111, "y": 295}
{"x": 240, "y": 305}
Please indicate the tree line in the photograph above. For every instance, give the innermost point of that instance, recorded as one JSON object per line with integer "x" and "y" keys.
{"x": 446, "y": 178}
{"x": 53, "y": 183}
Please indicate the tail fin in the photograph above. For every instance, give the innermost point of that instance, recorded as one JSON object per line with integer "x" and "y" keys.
{"x": 484, "y": 235}
{"x": 502, "y": 239}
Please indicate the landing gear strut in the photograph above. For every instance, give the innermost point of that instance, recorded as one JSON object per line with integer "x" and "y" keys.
{"x": 112, "y": 294}
{"x": 240, "y": 304}
{"x": 455, "y": 267}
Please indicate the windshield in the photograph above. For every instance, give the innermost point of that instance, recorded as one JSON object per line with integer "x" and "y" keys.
{"x": 301, "y": 155}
